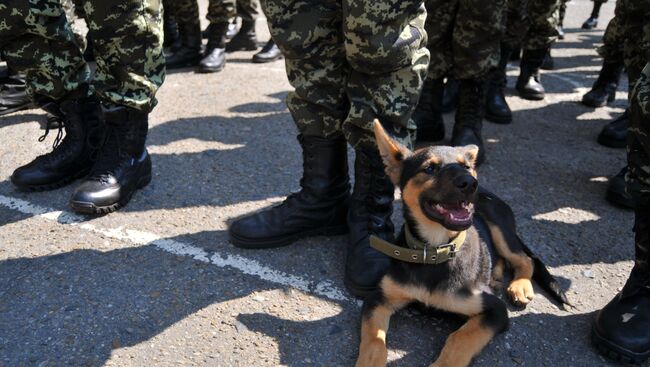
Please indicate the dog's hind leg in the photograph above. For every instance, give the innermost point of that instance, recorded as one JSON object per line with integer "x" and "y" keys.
{"x": 501, "y": 223}
{"x": 465, "y": 343}
{"x": 376, "y": 314}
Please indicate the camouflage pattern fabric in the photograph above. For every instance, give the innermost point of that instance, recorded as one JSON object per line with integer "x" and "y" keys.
{"x": 219, "y": 11}
{"x": 531, "y": 23}
{"x": 638, "y": 140}
{"x": 37, "y": 40}
{"x": 613, "y": 40}
{"x": 464, "y": 33}
{"x": 635, "y": 17}
{"x": 351, "y": 61}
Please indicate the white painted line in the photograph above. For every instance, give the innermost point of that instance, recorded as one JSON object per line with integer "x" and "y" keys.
{"x": 325, "y": 288}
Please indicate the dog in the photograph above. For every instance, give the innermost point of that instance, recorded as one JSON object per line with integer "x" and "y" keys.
{"x": 443, "y": 254}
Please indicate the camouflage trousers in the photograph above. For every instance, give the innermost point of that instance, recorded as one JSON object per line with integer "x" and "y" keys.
{"x": 531, "y": 23}
{"x": 219, "y": 11}
{"x": 465, "y": 34}
{"x": 634, "y": 16}
{"x": 36, "y": 39}
{"x": 613, "y": 40}
{"x": 351, "y": 61}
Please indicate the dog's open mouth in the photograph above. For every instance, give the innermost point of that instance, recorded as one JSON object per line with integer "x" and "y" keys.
{"x": 456, "y": 216}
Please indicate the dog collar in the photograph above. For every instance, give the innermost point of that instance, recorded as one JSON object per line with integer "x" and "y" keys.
{"x": 419, "y": 252}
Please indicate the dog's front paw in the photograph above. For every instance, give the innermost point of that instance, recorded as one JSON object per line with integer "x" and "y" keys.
{"x": 521, "y": 292}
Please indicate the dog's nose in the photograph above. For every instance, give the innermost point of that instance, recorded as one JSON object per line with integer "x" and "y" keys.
{"x": 466, "y": 183}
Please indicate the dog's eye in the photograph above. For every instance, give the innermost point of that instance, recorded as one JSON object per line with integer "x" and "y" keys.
{"x": 430, "y": 169}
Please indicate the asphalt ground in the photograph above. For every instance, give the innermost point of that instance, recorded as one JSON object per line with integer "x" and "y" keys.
{"x": 157, "y": 283}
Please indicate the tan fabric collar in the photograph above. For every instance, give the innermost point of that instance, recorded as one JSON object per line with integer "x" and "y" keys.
{"x": 419, "y": 252}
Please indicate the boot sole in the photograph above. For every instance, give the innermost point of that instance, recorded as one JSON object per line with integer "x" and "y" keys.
{"x": 245, "y": 48}
{"x": 264, "y": 61}
{"x": 531, "y": 96}
{"x": 16, "y": 109}
{"x": 607, "y": 101}
{"x": 206, "y": 70}
{"x": 51, "y": 186}
{"x": 249, "y": 243}
{"x": 82, "y": 207}
{"x": 619, "y": 200}
{"x": 611, "y": 143}
{"x": 503, "y": 120}
{"x": 615, "y": 352}
{"x": 359, "y": 291}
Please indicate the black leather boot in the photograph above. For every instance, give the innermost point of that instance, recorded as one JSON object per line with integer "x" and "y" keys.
{"x": 450, "y": 94}
{"x": 529, "y": 85}
{"x": 13, "y": 95}
{"x": 214, "y": 58}
{"x": 604, "y": 89}
{"x": 319, "y": 208}
{"x": 496, "y": 106}
{"x": 592, "y": 21}
{"x": 548, "y": 63}
{"x": 370, "y": 212}
{"x": 123, "y": 164}
{"x": 188, "y": 53}
{"x": 622, "y": 328}
{"x": 427, "y": 114}
{"x": 270, "y": 52}
{"x": 469, "y": 116}
{"x": 170, "y": 29}
{"x": 616, "y": 193}
{"x": 614, "y": 134}
{"x": 73, "y": 155}
{"x": 246, "y": 38}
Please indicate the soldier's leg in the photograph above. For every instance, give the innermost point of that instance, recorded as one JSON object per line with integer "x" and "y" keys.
{"x": 439, "y": 27}
{"x": 219, "y": 14}
{"x": 246, "y": 38}
{"x": 541, "y": 34}
{"x": 592, "y": 21}
{"x": 127, "y": 36}
{"x": 37, "y": 40}
{"x": 188, "y": 53}
{"x": 385, "y": 47}
{"x": 622, "y": 328}
{"x": 560, "y": 19}
{"x": 476, "y": 52}
{"x": 309, "y": 35}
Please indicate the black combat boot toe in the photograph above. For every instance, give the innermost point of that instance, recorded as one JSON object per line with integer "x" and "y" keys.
{"x": 590, "y": 23}
{"x": 529, "y": 84}
{"x": 614, "y": 134}
{"x": 319, "y": 208}
{"x": 270, "y": 52}
{"x": 428, "y": 114}
{"x": 123, "y": 164}
{"x": 370, "y": 212}
{"x": 214, "y": 58}
{"x": 604, "y": 88}
{"x": 187, "y": 52}
{"x": 73, "y": 155}
{"x": 616, "y": 193}
{"x": 246, "y": 38}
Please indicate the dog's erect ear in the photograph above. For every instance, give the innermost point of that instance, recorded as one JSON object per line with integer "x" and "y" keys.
{"x": 470, "y": 152}
{"x": 392, "y": 153}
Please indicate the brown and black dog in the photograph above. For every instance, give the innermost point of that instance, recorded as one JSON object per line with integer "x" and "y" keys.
{"x": 463, "y": 227}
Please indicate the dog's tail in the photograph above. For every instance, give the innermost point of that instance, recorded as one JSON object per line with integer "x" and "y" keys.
{"x": 544, "y": 278}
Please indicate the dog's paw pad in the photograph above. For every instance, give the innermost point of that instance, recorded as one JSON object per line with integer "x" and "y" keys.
{"x": 521, "y": 291}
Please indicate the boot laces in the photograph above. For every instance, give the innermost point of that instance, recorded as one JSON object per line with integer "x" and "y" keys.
{"x": 61, "y": 146}
{"x": 109, "y": 155}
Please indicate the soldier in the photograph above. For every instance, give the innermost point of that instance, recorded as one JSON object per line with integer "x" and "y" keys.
{"x": 105, "y": 116}
{"x": 350, "y": 62}
{"x": 592, "y": 21}
{"x": 464, "y": 43}
{"x": 533, "y": 24}
{"x": 186, "y": 13}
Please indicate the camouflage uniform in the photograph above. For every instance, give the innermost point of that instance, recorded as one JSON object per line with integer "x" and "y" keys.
{"x": 219, "y": 11}
{"x": 37, "y": 39}
{"x": 350, "y": 62}
{"x": 531, "y": 23}
{"x": 464, "y": 33}
{"x": 613, "y": 39}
